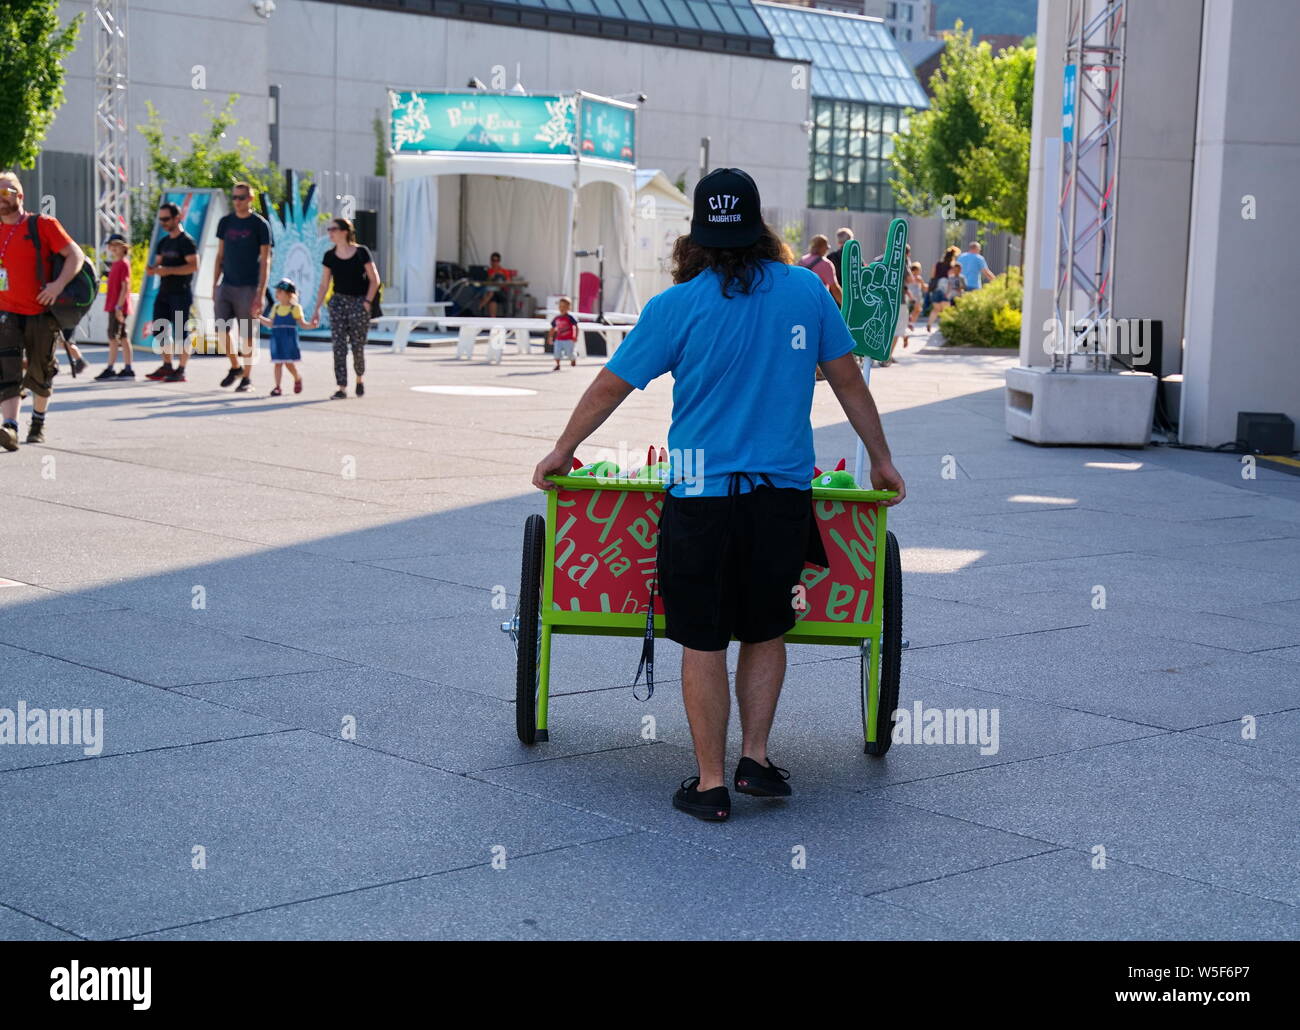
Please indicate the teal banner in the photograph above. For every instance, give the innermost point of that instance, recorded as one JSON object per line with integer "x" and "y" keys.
{"x": 608, "y": 131}
{"x": 482, "y": 123}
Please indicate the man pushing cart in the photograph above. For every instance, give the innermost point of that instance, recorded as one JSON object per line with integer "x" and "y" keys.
{"x": 732, "y": 538}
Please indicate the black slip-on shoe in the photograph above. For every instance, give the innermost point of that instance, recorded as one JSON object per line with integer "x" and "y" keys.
{"x": 762, "y": 781}
{"x": 231, "y": 376}
{"x": 711, "y": 805}
{"x": 244, "y": 386}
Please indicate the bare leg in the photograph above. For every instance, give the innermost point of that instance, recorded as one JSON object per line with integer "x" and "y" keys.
{"x": 279, "y": 369}
{"x": 708, "y": 705}
{"x": 759, "y": 676}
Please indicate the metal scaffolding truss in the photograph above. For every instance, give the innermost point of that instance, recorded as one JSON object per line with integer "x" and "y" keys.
{"x": 112, "y": 194}
{"x": 1085, "y": 224}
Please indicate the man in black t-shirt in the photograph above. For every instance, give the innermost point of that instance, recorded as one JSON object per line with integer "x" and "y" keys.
{"x": 175, "y": 260}
{"x": 239, "y": 281}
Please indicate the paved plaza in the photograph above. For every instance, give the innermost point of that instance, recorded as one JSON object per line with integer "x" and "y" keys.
{"x": 238, "y": 580}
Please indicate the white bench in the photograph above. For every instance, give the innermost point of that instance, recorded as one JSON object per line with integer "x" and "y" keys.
{"x": 403, "y": 324}
{"x": 519, "y": 331}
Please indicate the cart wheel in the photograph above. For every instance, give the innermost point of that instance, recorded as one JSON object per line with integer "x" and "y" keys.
{"x": 891, "y": 651}
{"x": 528, "y": 673}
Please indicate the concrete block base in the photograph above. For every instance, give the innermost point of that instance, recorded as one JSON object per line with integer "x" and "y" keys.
{"x": 1109, "y": 408}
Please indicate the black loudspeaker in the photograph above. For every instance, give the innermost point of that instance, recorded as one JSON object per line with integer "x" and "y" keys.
{"x": 1152, "y": 342}
{"x": 594, "y": 343}
{"x": 1265, "y": 432}
{"x": 367, "y": 223}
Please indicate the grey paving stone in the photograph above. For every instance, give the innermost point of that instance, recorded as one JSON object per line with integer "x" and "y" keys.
{"x": 291, "y": 590}
{"x": 1277, "y": 613}
{"x": 627, "y": 888}
{"x": 450, "y": 729}
{"x": 283, "y": 817}
{"x": 1176, "y": 803}
{"x": 16, "y": 926}
{"x": 1122, "y": 675}
{"x": 817, "y": 733}
{"x": 134, "y": 718}
{"x": 1231, "y": 632}
{"x": 1060, "y": 896}
{"x": 859, "y": 844}
{"x": 1127, "y": 576}
{"x": 1279, "y": 731}
{"x": 174, "y": 652}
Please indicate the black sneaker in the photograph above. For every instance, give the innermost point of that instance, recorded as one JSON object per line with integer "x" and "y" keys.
{"x": 161, "y": 372}
{"x": 711, "y": 805}
{"x": 361, "y": 389}
{"x": 36, "y": 433}
{"x": 176, "y": 375}
{"x": 78, "y": 366}
{"x": 339, "y": 395}
{"x": 108, "y": 373}
{"x": 126, "y": 373}
{"x": 9, "y": 438}
{"x": 761, "y": 782}
{"x": 231, "y": 376}
{"x": 244, "y": 386}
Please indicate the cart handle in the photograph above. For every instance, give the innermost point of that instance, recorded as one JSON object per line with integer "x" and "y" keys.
{"x": 648, "y": 486}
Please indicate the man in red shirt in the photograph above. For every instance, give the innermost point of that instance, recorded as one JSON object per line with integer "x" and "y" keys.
{"x": 26, "y": 327}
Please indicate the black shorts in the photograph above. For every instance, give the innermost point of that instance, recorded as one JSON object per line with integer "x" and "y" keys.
{"x": 166, "y": 306}
{"x": 728, "y": 566}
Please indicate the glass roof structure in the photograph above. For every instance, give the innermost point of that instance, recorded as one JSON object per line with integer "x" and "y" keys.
{"x": 853, "y": 58}
{"x": 730, "y": 26}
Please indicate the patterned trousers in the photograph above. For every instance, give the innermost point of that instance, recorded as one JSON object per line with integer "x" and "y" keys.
{"x": 349, "y": 327}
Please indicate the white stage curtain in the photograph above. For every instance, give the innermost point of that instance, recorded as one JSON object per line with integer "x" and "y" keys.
{"x": 605, "y": 217}
{"x": 526, "y": 221}
{"x": 415, "y": 216}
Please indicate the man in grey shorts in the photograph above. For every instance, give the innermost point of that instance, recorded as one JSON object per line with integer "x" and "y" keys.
{"x": 239, "y": 286}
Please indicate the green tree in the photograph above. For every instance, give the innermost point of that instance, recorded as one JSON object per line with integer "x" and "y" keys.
{"x": 32, "y": 49}
{"x": 207, "y": 160}
{"x": 972, "y": 145}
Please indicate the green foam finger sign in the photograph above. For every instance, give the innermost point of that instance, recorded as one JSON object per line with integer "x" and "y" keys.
{"x": 872, "y": 293}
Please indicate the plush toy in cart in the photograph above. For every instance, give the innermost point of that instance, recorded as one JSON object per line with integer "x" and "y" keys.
{"x": 838, "y": 478}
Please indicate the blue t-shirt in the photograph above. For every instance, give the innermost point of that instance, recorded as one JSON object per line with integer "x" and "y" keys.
{"x": 972, "y": 269}
{"x": 743, "y": 368}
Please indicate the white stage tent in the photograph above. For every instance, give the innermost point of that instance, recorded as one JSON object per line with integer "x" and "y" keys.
{"x": 536, "y": 209}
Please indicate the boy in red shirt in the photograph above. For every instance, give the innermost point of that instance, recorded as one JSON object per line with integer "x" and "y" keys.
{"x": 27, "y": 330}
{"x": 117, "y": 302}
{"x": 563, "y": 333}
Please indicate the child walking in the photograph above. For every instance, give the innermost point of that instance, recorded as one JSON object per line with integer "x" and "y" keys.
{"x": 286, "y": 318}
{"x": 563, "y": 333}
{"x": 117, "y": 302}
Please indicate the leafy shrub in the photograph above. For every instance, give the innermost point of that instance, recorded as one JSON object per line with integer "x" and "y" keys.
{"x": 988, "y": 317}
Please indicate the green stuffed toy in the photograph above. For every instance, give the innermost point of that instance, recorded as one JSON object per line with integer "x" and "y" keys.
{"x": 654, "y": 471}
{"x": 596, "y": 469}
{"x": 836, "y": 479}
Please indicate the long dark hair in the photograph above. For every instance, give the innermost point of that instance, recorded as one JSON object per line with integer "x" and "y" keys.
{"x": 740, "y": 269}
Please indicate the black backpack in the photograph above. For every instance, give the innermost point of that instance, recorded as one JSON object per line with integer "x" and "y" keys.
{"x": 74, "y": 302}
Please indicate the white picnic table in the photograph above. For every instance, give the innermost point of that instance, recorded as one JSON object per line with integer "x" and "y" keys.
{"x": 403, "y": 324}
{"x": 519, "y": 331}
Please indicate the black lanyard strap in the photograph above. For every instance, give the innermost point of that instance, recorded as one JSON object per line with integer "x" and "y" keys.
{"x": 647, "y": 650}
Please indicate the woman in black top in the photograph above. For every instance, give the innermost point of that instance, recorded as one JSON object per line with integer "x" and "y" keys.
{"x": 351, "y": 268}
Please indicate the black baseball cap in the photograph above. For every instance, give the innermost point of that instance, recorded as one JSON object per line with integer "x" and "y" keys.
{"x": 116, "y": 237}
{"x": 727, "y": 211}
